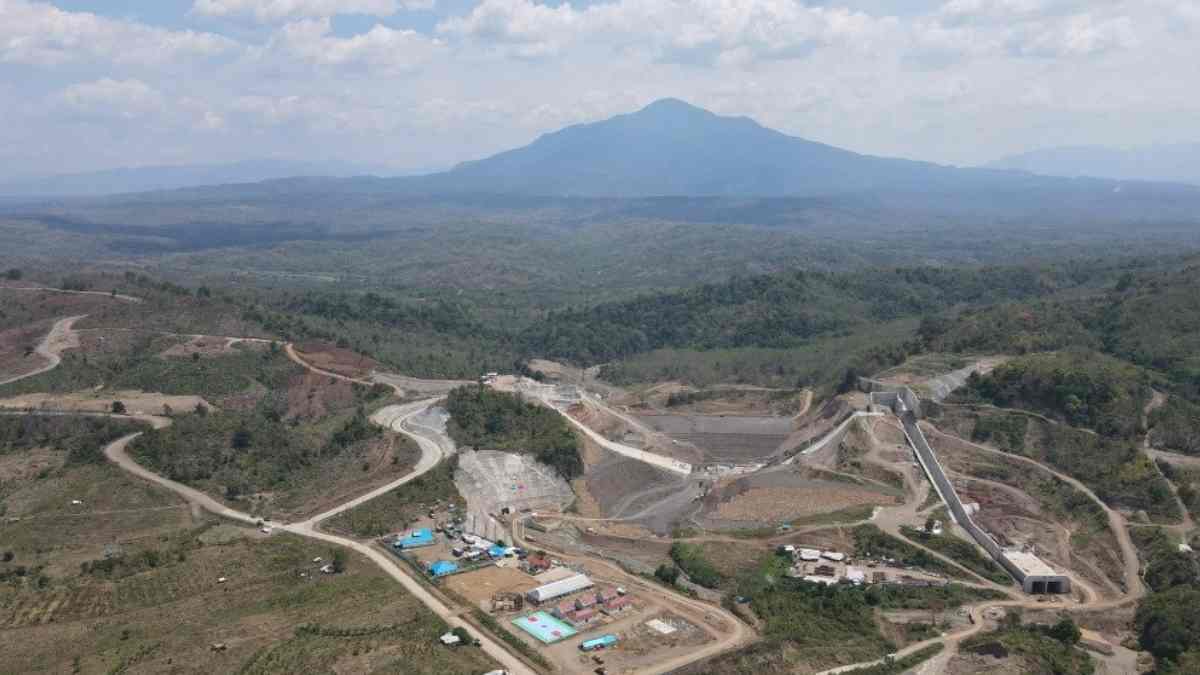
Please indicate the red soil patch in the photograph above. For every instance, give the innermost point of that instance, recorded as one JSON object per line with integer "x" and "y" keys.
{"x": 336, "y": 360}
{"x": 311, "y": 395}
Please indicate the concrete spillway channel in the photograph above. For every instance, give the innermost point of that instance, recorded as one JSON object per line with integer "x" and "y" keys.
{"x": 1034, "y": 575}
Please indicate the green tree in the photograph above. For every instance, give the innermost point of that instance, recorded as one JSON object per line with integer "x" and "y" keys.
{"x": 13, "y": 274}
{"x": 118, "y": 408}
{"x": 338, "y": 560}
{"x": 668, "y": 574}
{"x": 1065, "y": 631}
{"x": 1168, "y": 622}
{"x": 242, "y": 438}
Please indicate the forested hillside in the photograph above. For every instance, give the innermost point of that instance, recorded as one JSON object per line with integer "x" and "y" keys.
{"x": 1080, "y": 387}
{"x": 486, "y": 419}
{"x": 1149, "y": 316}
{"x": 784, "y": 310}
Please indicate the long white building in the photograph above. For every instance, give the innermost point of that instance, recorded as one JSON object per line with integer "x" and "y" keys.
{"x": 557, "y": 589}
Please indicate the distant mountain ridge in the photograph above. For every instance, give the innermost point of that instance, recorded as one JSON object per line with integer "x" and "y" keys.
{"x": 672, "y": 148}
{"x": 148, "y": 178}
{"x": 1178, "y": 163}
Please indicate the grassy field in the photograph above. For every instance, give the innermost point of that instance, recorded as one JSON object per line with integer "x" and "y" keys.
{"x": 272, "y": 620}
{"x": 49, "y": 536}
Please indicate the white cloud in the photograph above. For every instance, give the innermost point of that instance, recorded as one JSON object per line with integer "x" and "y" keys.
{"x": 672, "y": 30}
{"x": 310, "y": 40}
{"x": 278, "y": 10}
{"x": 113, "y": 98}
{"x": 37, "y": 33}
{"x": 1079, "y": 35}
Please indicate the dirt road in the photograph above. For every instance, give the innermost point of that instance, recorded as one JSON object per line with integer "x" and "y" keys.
{"x": 51, "y": 347}
{"x": 660, "y": 461}
{"x": 392, "y": 417}
{"x": 118, "y": 296}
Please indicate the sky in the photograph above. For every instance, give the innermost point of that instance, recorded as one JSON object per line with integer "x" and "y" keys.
{"x": 415, "y": 85}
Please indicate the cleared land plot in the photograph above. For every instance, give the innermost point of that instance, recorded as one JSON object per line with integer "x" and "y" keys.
{"x": 479, "y": 586}
{"x": 135, "y": 402}
{"x": 724, "y": 438}
{"x": 336, "y": 360}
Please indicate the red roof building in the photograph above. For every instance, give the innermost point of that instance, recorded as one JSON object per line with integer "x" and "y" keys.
{"x": 582, "y": 616}
{"x": 562, "y": 609}
{"x": 617, "y": 605}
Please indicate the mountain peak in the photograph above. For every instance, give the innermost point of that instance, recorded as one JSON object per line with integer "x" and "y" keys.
{"x": 673, "y": 107}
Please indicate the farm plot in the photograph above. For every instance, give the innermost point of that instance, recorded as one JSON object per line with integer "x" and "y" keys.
{"x": 724, "y": 439}
{"x": 274, "y": 613}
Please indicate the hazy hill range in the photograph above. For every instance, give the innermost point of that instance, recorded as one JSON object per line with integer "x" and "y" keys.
{"x": 1174, "y": 163}
{"x": 664, "y": 197}
{"x": 146, "y": 178}
{"x": 673, "y": 149}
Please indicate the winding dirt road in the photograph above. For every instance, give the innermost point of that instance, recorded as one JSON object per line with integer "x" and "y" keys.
{"x": 51, "y": 347}
{"x": 393, "y": 416}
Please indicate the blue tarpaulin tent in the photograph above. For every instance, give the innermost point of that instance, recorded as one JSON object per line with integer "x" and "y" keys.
{"x": 442, "y": 567}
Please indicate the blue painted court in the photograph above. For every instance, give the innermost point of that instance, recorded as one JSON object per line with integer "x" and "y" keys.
{"x": 544, "y": 627}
